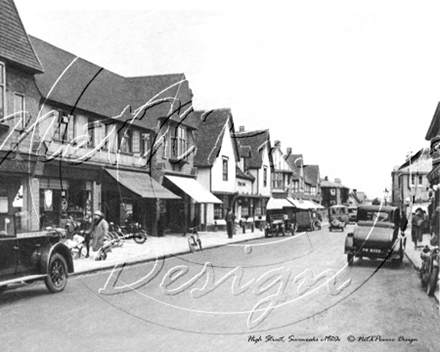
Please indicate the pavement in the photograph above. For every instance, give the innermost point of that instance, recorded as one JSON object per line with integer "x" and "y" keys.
{"x": 175, "y": 244}
{"x": 157, "y": 248}
{"x": 414, "y": 255}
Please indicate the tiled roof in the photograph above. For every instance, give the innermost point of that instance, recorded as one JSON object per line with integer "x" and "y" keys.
{"x": 311, "y": 174}
{"x": 257, "y": 140}
{"x": 295, "y": 166}
{"x": 329, "y": 184}
{"x": 77, "y": 83}
{"x": 14, "y": 41}
{"x": 211, "y": 126}
{"x": 243, "y": 175}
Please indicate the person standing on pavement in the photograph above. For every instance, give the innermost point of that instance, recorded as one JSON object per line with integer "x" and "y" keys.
{"x": 87, "y": 226}
{"x": 99, "y": 230}
{"x": 230, "y": 222}
{"x": 417, "y": 227}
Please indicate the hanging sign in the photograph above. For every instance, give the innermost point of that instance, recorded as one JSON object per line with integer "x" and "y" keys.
{"x": 48, "y": 200}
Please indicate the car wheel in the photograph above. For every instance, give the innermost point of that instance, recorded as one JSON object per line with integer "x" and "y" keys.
{"x": 56, "y": 279}
{"x": 350, "y": 259}
{"x": 432, "y": 282}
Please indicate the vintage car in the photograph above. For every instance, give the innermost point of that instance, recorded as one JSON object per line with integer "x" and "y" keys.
{"x": 41, "y": 256}
{"x": 352, "y": 213}
{"x": 308, "y": 220}
{"x": 337, "y": 217}
{"x": 379, "y": 233}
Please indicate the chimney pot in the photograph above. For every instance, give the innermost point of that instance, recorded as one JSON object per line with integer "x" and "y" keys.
{"x": 241, "y": 129}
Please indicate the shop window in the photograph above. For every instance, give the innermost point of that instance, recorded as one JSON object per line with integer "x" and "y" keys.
{"x": 258, "y": 211}
{"x": 245, "y": 210}
{"x": 2, "y": 90}
{"x": 225, "y": 168}
{"x": 20, "y": 120}
{"x": 218, "y": 211}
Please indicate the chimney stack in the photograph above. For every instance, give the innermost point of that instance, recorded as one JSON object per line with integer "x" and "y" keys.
{"x": 338, "y": 180}
{"x": 241, "y": 129}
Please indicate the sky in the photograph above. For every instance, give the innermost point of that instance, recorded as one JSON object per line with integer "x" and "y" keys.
{"x": 351, "y": 85}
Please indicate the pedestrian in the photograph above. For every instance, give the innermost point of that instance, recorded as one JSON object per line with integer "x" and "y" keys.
{"x": 417, "y": 227}
{"x": 435, "y": 227}
{"x": 99, "y": 230}
{"x": 230, "y": 217}
{"x": 87, "y": 226}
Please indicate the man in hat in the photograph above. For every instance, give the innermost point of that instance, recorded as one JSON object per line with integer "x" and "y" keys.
{"x": 230, "y": 222}
{"x": 99, "y": 230}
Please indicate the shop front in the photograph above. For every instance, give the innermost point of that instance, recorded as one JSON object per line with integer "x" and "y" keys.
{"x": 133, "y": 194}
{"x": 191, "y": 210}
{"x": 16, "y": 213}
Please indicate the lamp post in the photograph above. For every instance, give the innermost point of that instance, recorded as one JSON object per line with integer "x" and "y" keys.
{"x": 385, "y": 195}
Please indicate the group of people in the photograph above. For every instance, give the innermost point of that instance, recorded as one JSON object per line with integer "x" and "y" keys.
{"x": 422, "y": 224}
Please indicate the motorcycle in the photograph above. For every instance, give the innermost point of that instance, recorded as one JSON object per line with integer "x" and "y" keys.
{"x": 429, "y": 269}
{"x": 135, "y": 229}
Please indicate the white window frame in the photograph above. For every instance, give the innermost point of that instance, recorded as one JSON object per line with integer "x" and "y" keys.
{"x": 3, "y": 85}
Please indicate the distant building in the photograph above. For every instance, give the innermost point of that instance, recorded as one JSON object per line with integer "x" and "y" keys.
{"x": 410, "y": 187}
{"x": 334, "y": 193}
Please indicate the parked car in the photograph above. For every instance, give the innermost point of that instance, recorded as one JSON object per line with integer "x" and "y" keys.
{"x": 308, "y": 220}
{"x": 379, "y": 233}
{"x": 278, "y": 223}
{"x": 338, "y": 217}
{"x": 39, "y": 257}
{"x": 352, "y": 213}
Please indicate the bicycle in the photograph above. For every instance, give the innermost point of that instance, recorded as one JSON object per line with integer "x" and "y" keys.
{"x": 194, "y": 240}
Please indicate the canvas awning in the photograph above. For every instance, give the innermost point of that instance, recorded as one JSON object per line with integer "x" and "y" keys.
{"x": 141, "y": 184}
{"x": 194, "y": 189}
{"x": 312, "y": 205}
{"x": 278, "y": 203}
{"x": 300, "y": 204}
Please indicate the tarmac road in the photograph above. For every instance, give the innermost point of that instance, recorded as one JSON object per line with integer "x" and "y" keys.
{"x": 265, "y": 295}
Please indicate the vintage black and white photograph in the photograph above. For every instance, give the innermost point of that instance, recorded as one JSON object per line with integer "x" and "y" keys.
{"x": 219, "y": 176}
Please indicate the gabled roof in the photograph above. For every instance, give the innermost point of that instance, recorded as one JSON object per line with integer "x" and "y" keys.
{"x": 211, "y": 127}
{"x": 311, "y": 174}
{"x": 14, "y": 42}
{"x": 257, "y": 141}
{"x": 434, "y": 127}
{"x": 295, "y": 161}
{"x": 243, "y": 175}
{"x": 77, "y": 83}
{"x": 330, "y": 184}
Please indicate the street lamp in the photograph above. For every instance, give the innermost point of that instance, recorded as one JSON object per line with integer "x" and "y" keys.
{"x": 385, "y": 195}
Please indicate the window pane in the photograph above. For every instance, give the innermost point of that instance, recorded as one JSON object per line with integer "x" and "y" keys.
{"x": 2, "y": 114}
{"x": 136, "y": 142}
{"x": 2, "y": 74}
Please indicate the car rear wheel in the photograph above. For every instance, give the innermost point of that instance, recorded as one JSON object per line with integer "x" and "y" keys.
{"x": 350, "y": 259}
{"x": 56, "y": 279}
{"x": 432, "y": 282}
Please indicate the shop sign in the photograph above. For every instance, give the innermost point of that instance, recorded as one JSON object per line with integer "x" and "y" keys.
{"x": 48, "y": 200}
{"x": 14, "y": 166}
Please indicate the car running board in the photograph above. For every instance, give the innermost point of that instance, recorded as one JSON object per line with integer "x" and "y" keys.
{"x": 22, "y": 279}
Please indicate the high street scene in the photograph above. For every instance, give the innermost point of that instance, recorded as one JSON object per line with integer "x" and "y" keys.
{"x": 146, "y": 203}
